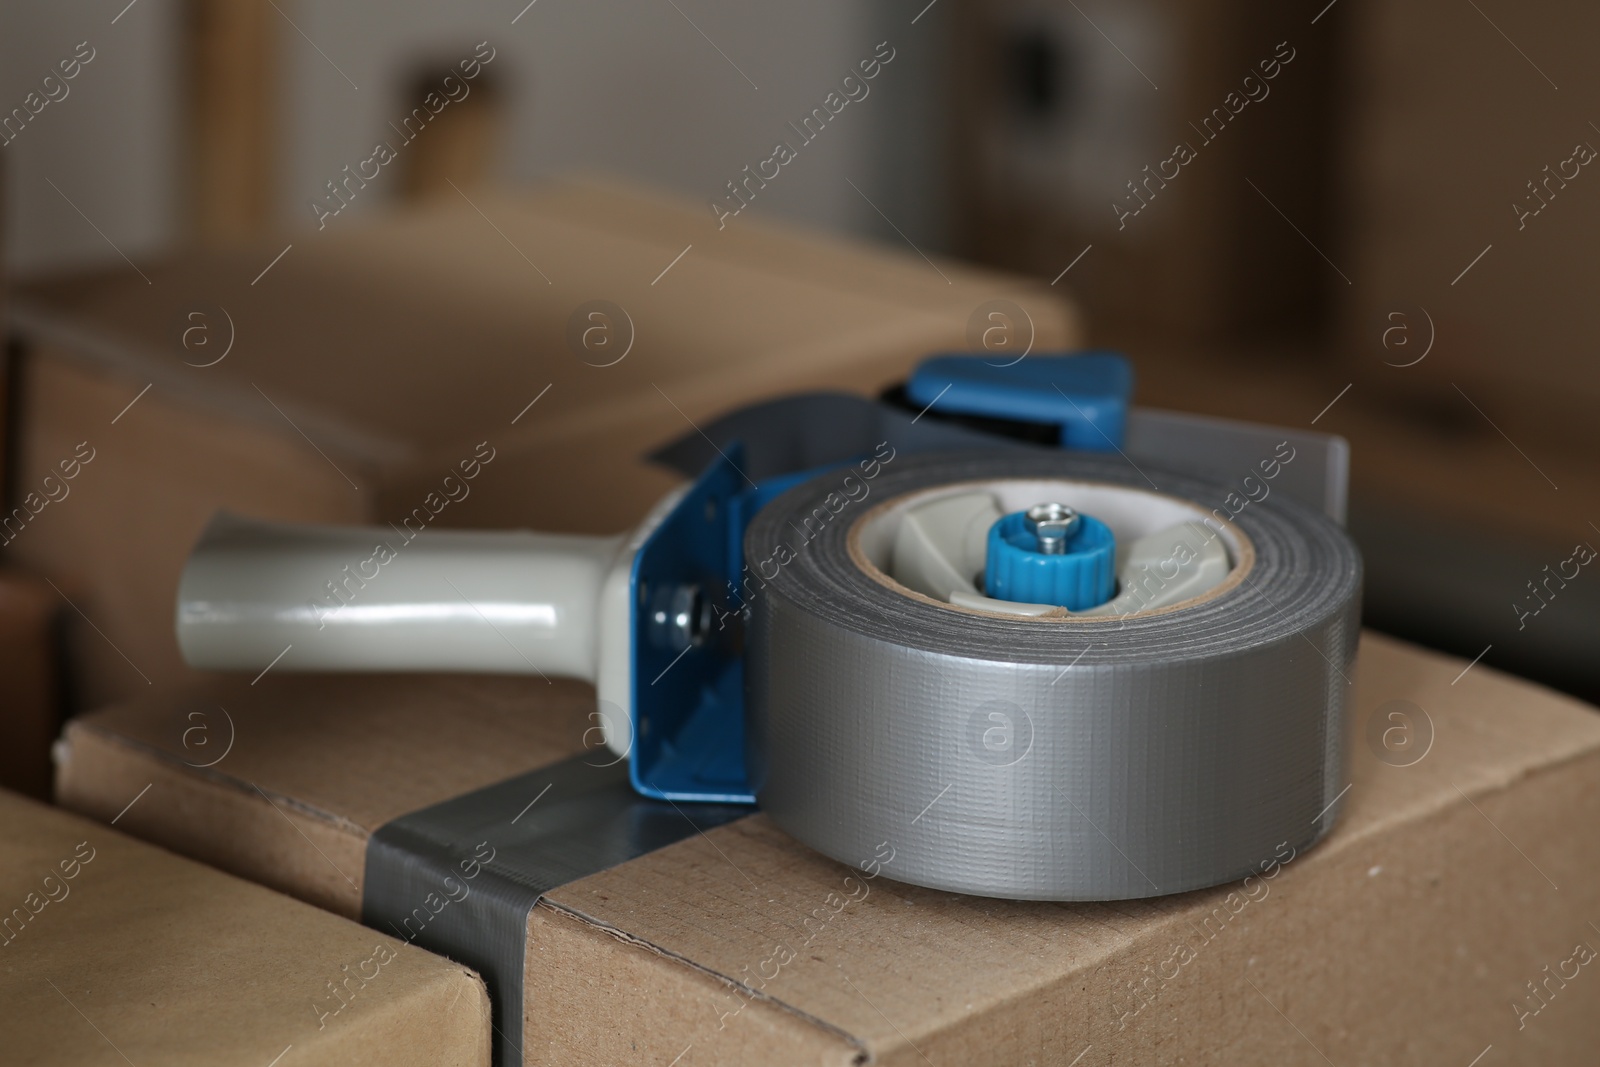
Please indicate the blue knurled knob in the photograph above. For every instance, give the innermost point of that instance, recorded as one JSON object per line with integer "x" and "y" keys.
{"x": 1051, "y": 555}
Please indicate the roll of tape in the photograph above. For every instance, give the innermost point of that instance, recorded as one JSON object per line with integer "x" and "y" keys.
{"x": 1065, "y": 758}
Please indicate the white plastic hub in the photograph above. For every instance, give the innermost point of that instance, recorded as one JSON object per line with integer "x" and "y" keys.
{"x": 935, "y": 543}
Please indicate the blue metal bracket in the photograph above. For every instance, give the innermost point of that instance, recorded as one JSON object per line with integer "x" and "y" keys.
{"x": 688, "y": 703}
{"x": 688, "y": 720}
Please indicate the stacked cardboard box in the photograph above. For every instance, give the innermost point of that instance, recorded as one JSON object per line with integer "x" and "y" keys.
{"x": 1470, "y": 221}
{"x": 1428, "y": 927}
{"x": 113, "y": 952}
{"x": 1156, "y": 157}
{"x": 340, "y": 375}
{"x": 28, "y": 618}
{"x": 29, "y": 613}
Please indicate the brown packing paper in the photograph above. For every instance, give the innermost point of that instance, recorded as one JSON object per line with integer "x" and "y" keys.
{"x": 114, "y": 952}
{"x": 1409, "y": 936}
{"x": 373, "y": 357}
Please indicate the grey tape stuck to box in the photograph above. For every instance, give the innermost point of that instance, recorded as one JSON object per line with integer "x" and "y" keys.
{"x": 460, "y": 878}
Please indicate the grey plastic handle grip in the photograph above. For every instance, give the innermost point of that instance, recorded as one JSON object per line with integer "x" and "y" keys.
{"x": 310, "y": 597}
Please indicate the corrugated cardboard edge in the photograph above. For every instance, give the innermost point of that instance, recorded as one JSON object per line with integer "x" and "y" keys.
{"x": 193, "y": 811}
{"x": 607, "y": 202}
{"x": 676, "y": 993}
{"x": 60, "y": 336}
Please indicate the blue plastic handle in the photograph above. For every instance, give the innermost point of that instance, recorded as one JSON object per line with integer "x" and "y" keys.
{"x": 1084, "y": 393}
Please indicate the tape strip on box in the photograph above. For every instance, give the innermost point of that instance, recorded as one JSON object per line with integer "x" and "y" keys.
{"x": 460, "y": 878}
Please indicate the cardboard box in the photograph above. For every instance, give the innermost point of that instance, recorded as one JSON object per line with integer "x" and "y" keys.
{"x": 29, "y": 662}
{"x": 30, "y": 613}
{"x": 1122, "y": 141}
{"x": 1486, "y": 251}
{"x": 112, "y": 951}
{"x": 339, "y": 377}
{"x": 1422, "y": 466}
{"x": 1461, "y": 869}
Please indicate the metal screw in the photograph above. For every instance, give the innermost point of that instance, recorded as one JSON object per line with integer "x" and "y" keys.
{"x": 1052, "y": 524}
{"x": 680, "y": 616}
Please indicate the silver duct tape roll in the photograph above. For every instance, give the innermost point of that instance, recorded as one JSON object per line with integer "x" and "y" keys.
{"x": 1054, "y": 759}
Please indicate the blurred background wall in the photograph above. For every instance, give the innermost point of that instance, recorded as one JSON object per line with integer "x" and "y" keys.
{"x": 1375, "y": 219}
{"x": 206, "y": 119}
{"x": 113, "y": 144}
